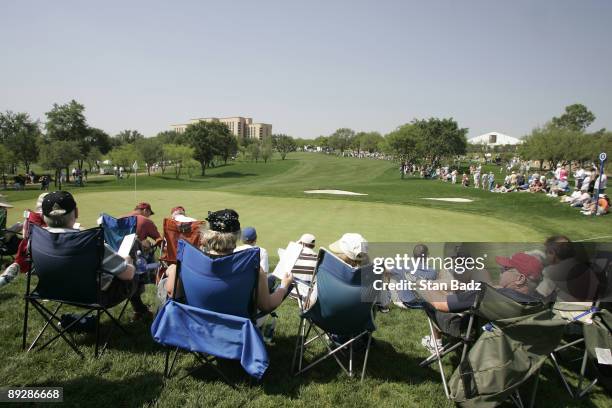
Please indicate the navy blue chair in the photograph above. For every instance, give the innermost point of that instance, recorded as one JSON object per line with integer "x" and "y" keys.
{"x": 342, "y": 311}
{"x": 214, "y": 315}
{"x": 67, "y": 267}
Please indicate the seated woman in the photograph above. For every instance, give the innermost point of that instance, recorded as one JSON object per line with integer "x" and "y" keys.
{"x": 218, "y": 241}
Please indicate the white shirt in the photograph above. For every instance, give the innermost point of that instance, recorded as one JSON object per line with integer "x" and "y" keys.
{"x": 604, "y": 182}
{"x": 263, "y": 256}
{"x": 182, "y": 218}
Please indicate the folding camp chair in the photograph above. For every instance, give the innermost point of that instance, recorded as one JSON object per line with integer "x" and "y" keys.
{"x": 215, "y": 316}
{"x": 173, "y": 232}
{"x": 343, "y": 311}
{"x": 490, "y": 368}
{"x": 68, "y": 269}
{"x": 594, "y": 315}
{"x": 115, "y": 229}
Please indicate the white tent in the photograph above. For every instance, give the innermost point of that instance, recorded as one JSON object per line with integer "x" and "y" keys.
{"x": 495, "y": 139}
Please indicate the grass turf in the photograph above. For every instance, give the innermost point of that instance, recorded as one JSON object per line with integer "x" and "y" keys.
{"x": 270, "y": 197}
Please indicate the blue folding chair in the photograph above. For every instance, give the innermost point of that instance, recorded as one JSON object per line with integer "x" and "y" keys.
{"x": 343, "y": 310}
{"x": 115, "y": 229}
{"x": 67, "y": 266}
{"x": 214, "y": 318}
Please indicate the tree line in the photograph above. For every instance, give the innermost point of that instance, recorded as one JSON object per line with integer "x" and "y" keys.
{"x": 66, "y": 138}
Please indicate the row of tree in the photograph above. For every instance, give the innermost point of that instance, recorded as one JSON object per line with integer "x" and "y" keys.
{"x": 565, "y": 138}
{"x": 66, "y": 138}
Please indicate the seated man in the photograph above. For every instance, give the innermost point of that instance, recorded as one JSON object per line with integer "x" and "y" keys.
{"x": 145, "y": 227}
{"x": 249, "y": 240}
{"x": 521, "y": 273}
{"x": 407, "y": 298}
{"x": 60, "y": 213}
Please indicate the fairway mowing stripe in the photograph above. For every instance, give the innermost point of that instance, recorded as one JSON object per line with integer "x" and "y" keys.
{"x": 592, "y": 239}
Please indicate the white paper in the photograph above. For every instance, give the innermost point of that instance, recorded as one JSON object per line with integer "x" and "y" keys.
{"x": 126, "y": 245}
{"x": 288, "y": 258}
{"x": 604, "y": 356}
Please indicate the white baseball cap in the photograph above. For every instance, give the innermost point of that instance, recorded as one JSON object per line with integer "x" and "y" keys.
{"x": 353, "y": 245}
{"x": 308, "y": 239}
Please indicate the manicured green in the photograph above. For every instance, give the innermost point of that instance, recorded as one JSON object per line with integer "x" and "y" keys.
{"x": 270, "y": 197}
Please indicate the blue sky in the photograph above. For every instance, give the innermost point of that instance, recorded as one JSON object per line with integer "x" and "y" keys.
{"x": 309, "y": 67}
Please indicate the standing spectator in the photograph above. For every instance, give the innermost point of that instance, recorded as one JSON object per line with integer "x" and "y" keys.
{"x": 465, "y": 180}
{"x": 85, "y": 173}
{"x": 579, "y": 177}
{"x": 477, "y": 178}
{"x": 249, "y": 240}
{"x": 485, "y": 181}
{"x": 491, "y": 180}
{"x": 601, "y": 182}
{"x": 454, "y": 176}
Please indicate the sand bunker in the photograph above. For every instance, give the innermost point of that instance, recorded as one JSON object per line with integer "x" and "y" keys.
{"x": 451, "y": 200}
{"x": 335, "y": 192}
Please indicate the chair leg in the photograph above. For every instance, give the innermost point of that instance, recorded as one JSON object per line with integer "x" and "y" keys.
{"x": 49, "y": 319}
{"x": 60, "y": 333}
{"x": 299, "y": 345}
{"x": 25, "y": 324}
{"x": 97, "y": 332}
{"x": 168, "y": 368}
{"x": 350, "y": 370}
{"x": 563, "y": 380}
{"x": 365, "y": 358}
{"x": 440, "y": 365}
{"x": 534, "y": 391}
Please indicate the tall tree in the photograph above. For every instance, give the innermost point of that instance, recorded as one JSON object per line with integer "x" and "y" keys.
{"x": 6, "y": 162}
{"x": 179, "y": 155}
{"x": 341, "y": 139}
{"x": 125, "y": 156}
{"x": 266, "y": 151}
{"x": 67, "y": 123}
{"x": 58, "y": 155}
{"x": 283, "y": 144}
{"x": 21, "y": 135}
{"x": 403, "y": 142}
{"x": 128, "y": 136}
{"x": 226, "y": 143}
{"x": 100, "y": 140}
{"x": 440, "y": 138}
{"x": 254, "y": 150}
{"x": 577, "y": 118}
{"x": 203, "y": 137}
{"x": 170, "y": 136}
{"x": 150, "y": 151}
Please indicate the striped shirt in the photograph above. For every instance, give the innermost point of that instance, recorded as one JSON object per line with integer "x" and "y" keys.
{"x": 112, "y": 265}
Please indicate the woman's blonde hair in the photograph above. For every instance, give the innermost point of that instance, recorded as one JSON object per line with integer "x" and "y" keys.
{"x": 218, "y": 242}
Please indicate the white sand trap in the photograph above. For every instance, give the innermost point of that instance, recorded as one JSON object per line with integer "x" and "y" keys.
{"x": 335, "y": 192}
{"x": 451, "y": 200}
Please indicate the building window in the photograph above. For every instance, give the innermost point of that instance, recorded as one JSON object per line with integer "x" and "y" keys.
{"x": 493, "y": 138}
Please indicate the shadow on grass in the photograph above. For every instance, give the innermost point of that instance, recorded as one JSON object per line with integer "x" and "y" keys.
{"x": 5, "y": 296}
{"x": 141, "y": 390}
{"x": 232, "y": 174}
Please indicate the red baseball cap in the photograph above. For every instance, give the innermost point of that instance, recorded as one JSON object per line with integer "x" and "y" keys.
{"x": 177, "y": 208}
{"x": 144, "y": 206}
{"x": 527, "y": 265}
